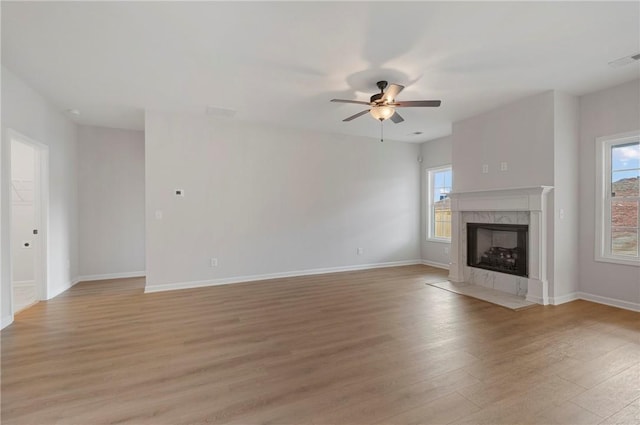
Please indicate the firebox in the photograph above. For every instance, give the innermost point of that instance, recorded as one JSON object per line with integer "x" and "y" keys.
{"x": 498, "y": 247}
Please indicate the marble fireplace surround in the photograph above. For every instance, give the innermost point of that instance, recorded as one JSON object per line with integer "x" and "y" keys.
{"x": 527, "y": 205}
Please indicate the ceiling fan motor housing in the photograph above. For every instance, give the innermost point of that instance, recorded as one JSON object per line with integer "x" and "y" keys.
{"x": 376, "y": 98}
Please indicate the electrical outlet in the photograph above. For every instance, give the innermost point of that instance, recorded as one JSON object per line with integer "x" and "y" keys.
{"x": 485, "y": 168}
{"x": 179, "y": 192}
{"x": 360, "y": 251}
{"x": 504, "y": 166}
{"x": 213, "y": 262}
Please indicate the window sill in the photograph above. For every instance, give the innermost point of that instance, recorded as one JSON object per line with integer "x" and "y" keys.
{"x": 623, "y": 261}
{"x": 447, "y": 241}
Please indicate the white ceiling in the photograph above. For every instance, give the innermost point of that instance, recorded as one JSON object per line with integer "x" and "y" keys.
{"x": 281, "y": 63}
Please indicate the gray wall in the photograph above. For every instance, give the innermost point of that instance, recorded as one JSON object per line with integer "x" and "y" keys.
{"x": 434, "y": 153}
{"x": 111, "y": 202}
{"x": 520, "y": 134}
{"x": 604, "y": 113}
{"x": 564, "y": 225}
{"x": 264, "y": 200}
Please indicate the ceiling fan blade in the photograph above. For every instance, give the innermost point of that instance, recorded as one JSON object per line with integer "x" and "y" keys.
{"x": 359, "y": 102}
{"x": 353, "y": 117}
{"x": 392, "y": 92}
{"x": 417, "y": 103}
{"x": 396, "y": 118}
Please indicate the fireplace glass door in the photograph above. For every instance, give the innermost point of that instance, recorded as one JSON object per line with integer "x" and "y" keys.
{"x": 498, "y": 247}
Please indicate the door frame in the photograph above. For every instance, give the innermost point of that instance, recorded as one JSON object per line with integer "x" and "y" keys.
{"x": 41, "y": 206}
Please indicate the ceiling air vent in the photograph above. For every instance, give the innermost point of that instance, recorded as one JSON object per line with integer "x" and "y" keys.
{"x": 624, "y": 61}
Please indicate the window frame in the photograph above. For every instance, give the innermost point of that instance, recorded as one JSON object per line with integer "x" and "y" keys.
{"x": 603, "y": 199}
{"x": 430, "y": 172}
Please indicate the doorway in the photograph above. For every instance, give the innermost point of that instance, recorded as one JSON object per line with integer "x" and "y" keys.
{"x": 29, "y": 183}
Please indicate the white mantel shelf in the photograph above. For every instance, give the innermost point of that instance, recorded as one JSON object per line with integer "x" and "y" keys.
{"x": 530, "y": 199}
{"x": 512, "y": 199}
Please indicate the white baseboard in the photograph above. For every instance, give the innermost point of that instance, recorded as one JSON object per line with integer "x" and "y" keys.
{"x": 6, "y": 321}
{"x": 435, "y": 264}
{"x": 252, "y": 278}
{"x": 627, "y": 305}
{"x": 59, "y": 291}
{"x": 534, "y": 299}
{"x": 564, "y": 298}
{"x": 92, "y": 277}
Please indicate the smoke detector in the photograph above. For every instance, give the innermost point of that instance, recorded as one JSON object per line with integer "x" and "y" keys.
{"x": 624, "y": 61}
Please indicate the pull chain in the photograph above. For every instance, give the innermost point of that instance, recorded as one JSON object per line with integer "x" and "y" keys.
{"x": 381, "y": 138}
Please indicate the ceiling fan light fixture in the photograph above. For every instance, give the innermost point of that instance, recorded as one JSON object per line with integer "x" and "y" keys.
{"x": 382, "y": 112}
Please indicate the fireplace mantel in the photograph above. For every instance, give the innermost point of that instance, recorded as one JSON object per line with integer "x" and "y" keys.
{"x": 532, "y": 200}
{"x": 518, "y": 199}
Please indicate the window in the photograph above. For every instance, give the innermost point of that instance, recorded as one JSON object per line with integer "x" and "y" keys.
{"x": 618, "y": 200}
{"x": 439, "y": 205}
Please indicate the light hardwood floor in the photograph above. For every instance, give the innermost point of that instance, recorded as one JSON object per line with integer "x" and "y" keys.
{"x": 363, "y": 347}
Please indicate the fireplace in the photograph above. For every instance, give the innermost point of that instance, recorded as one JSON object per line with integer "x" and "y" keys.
{"x": 498, "y": 247}
{"x": 525, "y": 206}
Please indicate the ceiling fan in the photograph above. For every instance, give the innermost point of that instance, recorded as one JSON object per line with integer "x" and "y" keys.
{"x": 383, "y": 105}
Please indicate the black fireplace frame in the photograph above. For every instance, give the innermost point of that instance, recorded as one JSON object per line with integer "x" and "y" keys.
{"x": 522, "y": 242}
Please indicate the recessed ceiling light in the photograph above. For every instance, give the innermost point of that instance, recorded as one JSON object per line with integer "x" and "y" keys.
{"x": 624, "y": 61}
{"x": 73, "y": 112}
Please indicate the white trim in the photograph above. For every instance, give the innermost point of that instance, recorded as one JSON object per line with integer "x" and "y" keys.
{"x": 627, "y": 305}
{"x": 41, "y": 205}
{"x": 252, "y": 278}
{"x": 564, "y": 298}
{"x": 428, "y": 206}
{"x": 447, "y": 241}
{"x": 435, "y": 264}
{"x": 6, "y": 321}
{"x": 18, "y": 283}
{"x": 528, "y": 198}
{"x": 53, "y": 294}
{"x": 92, "y": 277}
{"x": 617, "y": 260}
{"x": 535, "y": 299}
{"x": 71, "y": 283}
{"x": 602, "y": 199}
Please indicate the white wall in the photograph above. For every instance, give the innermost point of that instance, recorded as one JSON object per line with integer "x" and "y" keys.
{"x": 564, "y": 226}
{"x": 111, "y": 202}
{"x": 520, "y": 134}
{"x": 434, "y": 153}
{"x": 264, "y": 200}
{"x": 603, "y": 113}
{"x": 26, "y": 112}
{"x": 23, "y": 212}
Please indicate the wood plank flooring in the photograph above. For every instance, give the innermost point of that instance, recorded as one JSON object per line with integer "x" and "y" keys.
{"x": 366, "y": 347}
